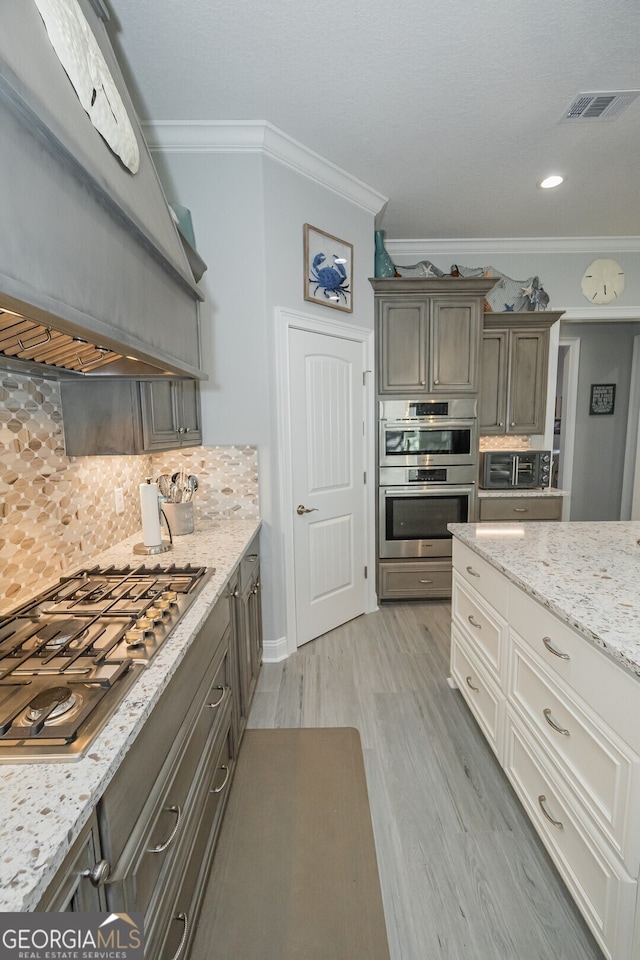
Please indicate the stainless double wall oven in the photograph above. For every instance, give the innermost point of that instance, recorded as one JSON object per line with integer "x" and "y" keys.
{"x": 426, "y": 476}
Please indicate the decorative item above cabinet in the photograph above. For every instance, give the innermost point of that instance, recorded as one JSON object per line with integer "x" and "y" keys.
{"x": 514, "y": 372}
{"x": 105, "y": 417}
{"x": 428, "y": 335}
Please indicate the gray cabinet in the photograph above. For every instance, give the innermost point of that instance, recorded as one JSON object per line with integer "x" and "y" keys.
{"x": 123, "y": 416}
{"x": 247, "y": 627}
{"x": 521, "y": 508}
{"x": 514, "y": 365}
{"x": 428, "y": 335}
{"x": 78, "y": 885}
{"x": 160, "y": 815}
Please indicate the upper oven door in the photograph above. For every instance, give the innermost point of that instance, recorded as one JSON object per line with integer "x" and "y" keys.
{"x": 427, "y": 443}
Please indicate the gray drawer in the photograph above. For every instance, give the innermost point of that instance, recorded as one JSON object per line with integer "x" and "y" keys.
{"x": 414, "y": 579}
{"x": 521, "y": 508}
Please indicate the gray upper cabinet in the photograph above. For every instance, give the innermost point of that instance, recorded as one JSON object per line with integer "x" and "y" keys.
{"x": 104, "y": 416}
{"x": 428, "y": 335}
{"x": 170, "y": 413}
{"x": 515, "y": 360}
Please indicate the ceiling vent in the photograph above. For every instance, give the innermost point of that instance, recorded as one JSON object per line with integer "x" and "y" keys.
{"x": 600, "y": 106}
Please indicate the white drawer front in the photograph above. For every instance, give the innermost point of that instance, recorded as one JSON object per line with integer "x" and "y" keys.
{"x": 484, "y": 699}
{"x": 604, "y": 892}
{"x": 610, "y": 690}
{"x": 600, "y": 767}
{"x": 485, "y": 630}
{"x": 484, "y": 578}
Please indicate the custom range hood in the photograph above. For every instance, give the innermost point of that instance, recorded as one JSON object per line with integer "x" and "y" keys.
{"x": 94, "y": 275}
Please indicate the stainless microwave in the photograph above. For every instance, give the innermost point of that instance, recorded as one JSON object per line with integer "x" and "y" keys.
{"x": 515, "y": 469}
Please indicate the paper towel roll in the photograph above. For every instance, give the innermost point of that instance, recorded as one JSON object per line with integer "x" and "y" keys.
{"x": 150, "y": 512}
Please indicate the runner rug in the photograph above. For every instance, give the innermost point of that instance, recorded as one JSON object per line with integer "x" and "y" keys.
{"x": 295, "y": 875}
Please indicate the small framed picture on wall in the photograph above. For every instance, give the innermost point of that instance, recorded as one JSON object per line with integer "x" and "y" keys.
{"x": 603, "y": 399}
{"x": 328, "y": 266}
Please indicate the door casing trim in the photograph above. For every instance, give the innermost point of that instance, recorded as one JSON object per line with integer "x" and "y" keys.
{"x": 286, "y": 320}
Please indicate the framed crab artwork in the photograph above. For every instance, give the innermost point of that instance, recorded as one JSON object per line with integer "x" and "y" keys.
{"x": 328, "y": 267}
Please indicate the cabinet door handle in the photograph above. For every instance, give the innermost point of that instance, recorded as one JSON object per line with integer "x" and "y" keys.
{"x": 556, "y": 823}
{"x": 550, "y": 647}
{"x": 163, "y": 846}
{"x": 98, "y": 874}
{"x": 224, "y": 782}
{"x": 185, "y": 919}
{"x": 220, "y": 698}
{"x": 474, "y": 623}
{"x": 471, "y": 571}
{"x": 180, "y": 429}
{"x": 470, "y": 685}
{"x": 547, "y": 715}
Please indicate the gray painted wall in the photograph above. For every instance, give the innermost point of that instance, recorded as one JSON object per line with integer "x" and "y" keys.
{"x": 248, "y": 213}
{"x": 600, "y": 441}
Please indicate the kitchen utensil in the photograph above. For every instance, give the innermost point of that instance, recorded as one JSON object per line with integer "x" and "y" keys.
{"x": 164, "y": 485}
{"x": 192, "y": 486}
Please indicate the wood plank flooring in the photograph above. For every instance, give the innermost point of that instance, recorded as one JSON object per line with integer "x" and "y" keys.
{"x": 463, "y": 874}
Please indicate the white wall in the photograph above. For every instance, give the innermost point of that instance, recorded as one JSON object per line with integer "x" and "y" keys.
{"x": 248, "y": 212}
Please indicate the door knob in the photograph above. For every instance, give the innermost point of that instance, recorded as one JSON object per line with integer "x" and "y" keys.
{"x": 300, "y": 509}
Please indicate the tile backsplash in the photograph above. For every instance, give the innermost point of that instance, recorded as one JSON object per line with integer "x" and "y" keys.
{"x": 57, "y": 512}
{"x": 505, "y": 443}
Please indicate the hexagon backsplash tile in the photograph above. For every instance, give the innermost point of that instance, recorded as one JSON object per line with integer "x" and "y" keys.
{"x": 57, "y": 512}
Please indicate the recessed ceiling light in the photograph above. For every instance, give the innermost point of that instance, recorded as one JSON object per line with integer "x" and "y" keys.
{"x": 553, "y": 181}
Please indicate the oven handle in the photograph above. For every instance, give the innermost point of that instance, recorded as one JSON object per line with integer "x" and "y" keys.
{"x": 436, "y": 489}
{"x": 427, "y": 422}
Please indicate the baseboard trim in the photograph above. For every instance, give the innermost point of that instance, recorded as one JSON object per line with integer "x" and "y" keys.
{"x": 273, "y": 651}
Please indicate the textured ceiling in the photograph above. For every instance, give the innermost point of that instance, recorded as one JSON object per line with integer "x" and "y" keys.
{"x": 452, "y": 110}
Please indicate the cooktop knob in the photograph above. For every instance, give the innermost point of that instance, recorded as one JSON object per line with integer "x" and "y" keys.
{"x": 170, "y": 595}
{"x": 134, "y": 638}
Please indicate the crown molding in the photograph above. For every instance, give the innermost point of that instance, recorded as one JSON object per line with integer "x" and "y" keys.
{"x": 606, "y": 314}
{"x": 423, "y": 249}
{"x": 259, "y": 136}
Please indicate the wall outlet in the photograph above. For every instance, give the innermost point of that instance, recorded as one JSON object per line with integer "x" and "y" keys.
{"x": 118, "y": 496}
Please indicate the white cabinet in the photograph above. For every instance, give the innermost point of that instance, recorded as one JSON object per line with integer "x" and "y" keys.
{"x": 562, "y": 718}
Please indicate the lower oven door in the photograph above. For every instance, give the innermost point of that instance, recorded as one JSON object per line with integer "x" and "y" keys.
{"x": 412, "y": 521}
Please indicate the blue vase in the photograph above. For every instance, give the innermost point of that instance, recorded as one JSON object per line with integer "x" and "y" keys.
{"x": 383, "y": 264}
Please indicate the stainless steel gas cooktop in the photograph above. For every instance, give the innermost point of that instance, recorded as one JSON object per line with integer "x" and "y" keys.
{"x": 69, "y": 656}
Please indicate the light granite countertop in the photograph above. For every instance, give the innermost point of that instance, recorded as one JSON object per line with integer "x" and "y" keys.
{"x": 45, "y": 805}
{"x": 587, "y": 574}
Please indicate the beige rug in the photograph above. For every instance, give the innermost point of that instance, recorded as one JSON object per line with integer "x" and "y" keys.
{"x": 295, "y": 875}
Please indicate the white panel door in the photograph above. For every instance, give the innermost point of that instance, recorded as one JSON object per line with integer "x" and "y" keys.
{"x": 327, "y": 444}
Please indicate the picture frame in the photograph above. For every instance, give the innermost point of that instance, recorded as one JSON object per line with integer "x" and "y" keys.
{"x": 603, "y": 399}
{"x": 328, "y": 269}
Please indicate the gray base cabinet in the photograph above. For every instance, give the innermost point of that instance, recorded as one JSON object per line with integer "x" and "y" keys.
{"x": 247, "y": 625}
{"x": 78, "y": 886}
{"x": 414, "y": 579}
{"x": 122, "y": 416}
{"x": 514, "y": 364}
{"x": 150, "y": 843}
{"x": 521, "y": 509}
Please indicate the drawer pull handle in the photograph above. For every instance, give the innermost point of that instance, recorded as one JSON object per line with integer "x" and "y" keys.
{"x": 252, "y": 557}
{"x": 220, "y": 698}
{"x": 224, "y": 782}
{"x": 550, "y": 647}
{"x": 471, "y": 571}
{"x": 471, "y": 686}
{"x": 474, "y": 623}
{"x": 163, "y": 846}
{"x": 185, "y": 920}
{"x": 562, "y": 730}
{"x": 556, "y": 823}
{"x": 425, "y": 581}
{"x": 521, "y": 510}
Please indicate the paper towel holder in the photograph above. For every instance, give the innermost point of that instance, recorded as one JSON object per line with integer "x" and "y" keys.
{"x": 162, "y": 547}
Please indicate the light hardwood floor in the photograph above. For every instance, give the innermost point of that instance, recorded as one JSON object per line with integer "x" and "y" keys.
{"x": 463, "y": 874}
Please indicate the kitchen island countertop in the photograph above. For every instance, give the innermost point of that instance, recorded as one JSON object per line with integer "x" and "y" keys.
{"x": 45, "y": 805}
{"x": 586, "y": 573}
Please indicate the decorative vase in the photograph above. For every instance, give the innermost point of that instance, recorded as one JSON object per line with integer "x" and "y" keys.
{"x": 383, "y": 264}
